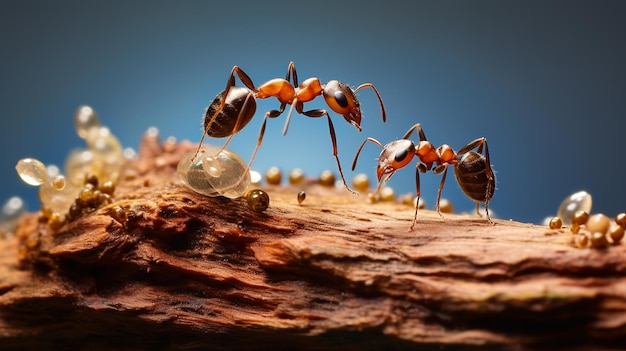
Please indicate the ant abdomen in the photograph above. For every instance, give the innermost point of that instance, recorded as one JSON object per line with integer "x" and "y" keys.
{"x": 239, "y": 108}
{"x": 471, "y": 174}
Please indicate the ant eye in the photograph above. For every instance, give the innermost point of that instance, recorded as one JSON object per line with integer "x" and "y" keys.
{"x": 400, "y": 155}
{"x": 341, "y": 99}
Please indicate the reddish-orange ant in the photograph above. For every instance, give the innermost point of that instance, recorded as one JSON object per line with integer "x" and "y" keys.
{"x": 472, "y": 170}
{"x": 232, "y": 109}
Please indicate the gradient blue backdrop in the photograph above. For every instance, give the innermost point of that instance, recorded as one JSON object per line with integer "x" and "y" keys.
{"x": 544, "y": 81}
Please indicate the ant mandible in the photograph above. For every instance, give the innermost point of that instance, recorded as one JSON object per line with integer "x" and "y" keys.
{"x": 472, "y": 169}
{"x": 232, "y": 109}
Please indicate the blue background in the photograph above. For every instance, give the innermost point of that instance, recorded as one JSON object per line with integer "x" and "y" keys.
{"x": 544, "y": 81}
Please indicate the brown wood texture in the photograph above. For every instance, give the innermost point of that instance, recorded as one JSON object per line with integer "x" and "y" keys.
{"x": 184, "y": 271}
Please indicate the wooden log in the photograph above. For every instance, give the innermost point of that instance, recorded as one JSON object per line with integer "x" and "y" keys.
{"x": 163, "y": 267}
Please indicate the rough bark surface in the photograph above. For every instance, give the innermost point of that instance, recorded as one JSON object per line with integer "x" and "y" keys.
{"x": 184, "y": 271}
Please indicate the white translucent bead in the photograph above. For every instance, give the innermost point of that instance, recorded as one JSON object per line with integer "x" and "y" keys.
{"x": 53, "y": 170}
{"x": 13, "y": 207}
{"x": 579, "y": 201}
{"x": 11, "y": 211}
{"x": 130, "y": 153}
{"x": 32, "y": 171}
{"x": 85, "y": 119}
{"x": 232, "y": 179}
{"x": 255, "y": 177}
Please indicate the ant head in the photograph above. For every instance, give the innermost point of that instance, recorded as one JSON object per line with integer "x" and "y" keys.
{"x": 341, "y": 99}
{"x": 394, "y": 156}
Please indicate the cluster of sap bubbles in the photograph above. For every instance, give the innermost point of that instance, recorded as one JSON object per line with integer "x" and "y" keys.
{"x": 215, "y": 171}
{"x": 103, "y": 158}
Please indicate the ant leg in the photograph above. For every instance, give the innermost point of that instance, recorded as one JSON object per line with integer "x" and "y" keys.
{"x": 333, "y": 138}
{"x": 299, "y": 106}
{"x": 245, "y": 79}
{"x": 361, "y": 147}
{"x": 380, "y": 100}
{"x": 443, "y": 180}
{"x": 417, "y": 193}
{"x": 269, "y": 114}
{"x": 478, "y": 143}
{"x": 291, "y": 72}
{"x": 420, "y": 132}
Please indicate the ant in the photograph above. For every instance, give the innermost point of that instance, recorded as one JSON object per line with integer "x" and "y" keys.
{"x": 232, "y": 109}
{"x": 472, "y": 169}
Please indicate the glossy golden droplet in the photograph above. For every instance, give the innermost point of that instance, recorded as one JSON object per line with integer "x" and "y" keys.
{"x": 406, "y": 199}
{"x": 32, "y": 243}
{"x": 579, "y": 201}
{"x": 598, "y": 223}
{"x": 581, "y": 240}
{"x": 55, "y": 221}
{"x": 620, "y": 219}
{"x": 597, "y": 240}
{"x": 421, "y": 204}
{"x": 373, "y": 198}
{"x": 616, "y": 233}
{"x": 258, "y": 200}
{"x": 296, "y": 176}
{"x": 580, "y": 217}
{"x": 574, "y": 228}
{"x": 327, "y": 178}
{"x": 92, "y": 179}
{"x": 107, "y": 187}
{"x": 555, "y": 223}
{"x": 301, "y": 196}
{"x": 58, "y": 182}
{"x": 387, "y": 194}
{"x": 273, "y": 176}
{"x": 445, "y": 206}
{"x": 361, "y": 182}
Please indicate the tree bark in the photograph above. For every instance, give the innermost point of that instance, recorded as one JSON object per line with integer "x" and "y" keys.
{"x": 163, "y": 267}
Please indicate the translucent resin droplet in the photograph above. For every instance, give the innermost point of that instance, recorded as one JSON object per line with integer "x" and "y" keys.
{"x": 232, "y": 182}
{"x": 57, "y": 200}
{"x": 211, "y": 166}
{"x": 32, "y": 171}
{"x": 58, "y": 182}
{"x": 107, "y": 152}
{"x": 78, "y": 163}
{"x": 85, "y": 119}
{"x": 579, "y": 201}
